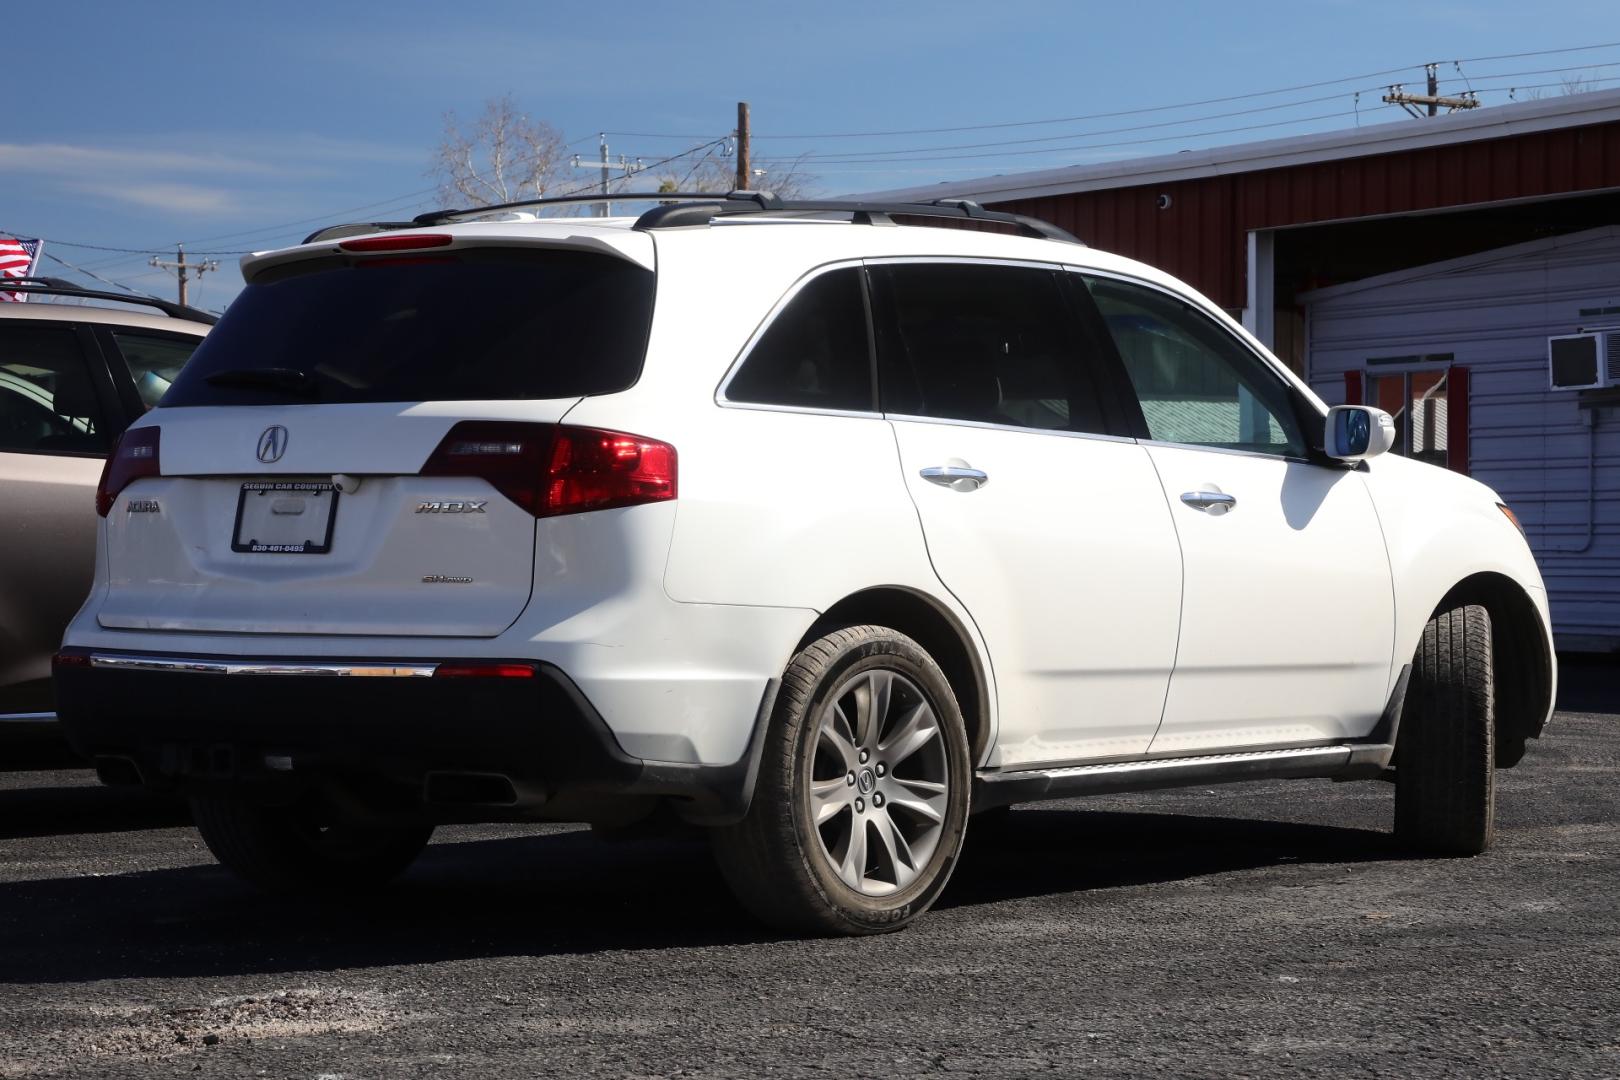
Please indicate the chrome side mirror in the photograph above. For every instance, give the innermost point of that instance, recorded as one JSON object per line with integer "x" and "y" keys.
{"x": 1357, "y": 432}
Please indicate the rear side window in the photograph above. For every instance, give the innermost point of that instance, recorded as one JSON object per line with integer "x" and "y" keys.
{"x": 815, "y": 354}
{"x": 483, "y": 324}
{"x": 993, "y": 344}
{"x": 154, "y": 360}
{"x": 47, "y": 402}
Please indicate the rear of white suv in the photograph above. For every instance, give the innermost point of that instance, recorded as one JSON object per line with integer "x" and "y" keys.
{"x": 816, "y": 529}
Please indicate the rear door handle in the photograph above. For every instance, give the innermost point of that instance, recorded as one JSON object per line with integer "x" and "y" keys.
{"x": 1210, "y": 502}
{"x": 956, "y": 477}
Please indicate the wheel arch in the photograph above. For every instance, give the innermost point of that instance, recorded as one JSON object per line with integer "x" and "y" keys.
{"x": 1522, "y": 658}
{"x": 937, "y": 630}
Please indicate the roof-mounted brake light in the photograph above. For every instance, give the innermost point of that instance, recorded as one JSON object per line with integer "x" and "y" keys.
{"x": 393, "y": 242}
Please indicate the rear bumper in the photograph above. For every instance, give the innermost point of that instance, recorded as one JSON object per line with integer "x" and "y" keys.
{"x": 420, "y": 738}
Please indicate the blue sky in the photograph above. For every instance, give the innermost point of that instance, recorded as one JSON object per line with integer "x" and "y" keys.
{"x": 230, "y": 127}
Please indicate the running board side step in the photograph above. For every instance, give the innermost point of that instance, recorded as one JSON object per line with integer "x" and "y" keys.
{"x": 1349, "y": 761}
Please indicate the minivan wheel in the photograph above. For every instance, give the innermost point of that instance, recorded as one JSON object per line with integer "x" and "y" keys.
{"x": 861, "y": 802}
{"x": 284, "y": 850}
{"x": 1444, "y": 757}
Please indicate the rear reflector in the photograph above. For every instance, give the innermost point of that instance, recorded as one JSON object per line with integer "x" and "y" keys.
{"x": 551, "y": 469}
{"x": 134, "y": 456}
{"x": 483, "y": 670}
{"x": 406, "y": 242}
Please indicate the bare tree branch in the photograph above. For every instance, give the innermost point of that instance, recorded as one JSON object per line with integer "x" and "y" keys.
{"x": 501, "y": 157}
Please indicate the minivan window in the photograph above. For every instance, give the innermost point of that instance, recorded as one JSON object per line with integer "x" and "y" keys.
{"x": 815, "y": 354}
{"x": 989, "y": 343}
{"x": 478, "y": 324}
{"x": 1197, "y": 383}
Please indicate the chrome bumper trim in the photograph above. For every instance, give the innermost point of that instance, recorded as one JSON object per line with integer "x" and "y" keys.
{"x": 189, "y": 666}
{"x": 26, "y": 717}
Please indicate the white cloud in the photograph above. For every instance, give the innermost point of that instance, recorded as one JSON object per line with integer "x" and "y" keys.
{"x": 173, "y": 198}
{"x": 63, "y": 159}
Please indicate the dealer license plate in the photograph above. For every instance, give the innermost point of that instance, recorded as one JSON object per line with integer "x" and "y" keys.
{"x": 285, "y": 517}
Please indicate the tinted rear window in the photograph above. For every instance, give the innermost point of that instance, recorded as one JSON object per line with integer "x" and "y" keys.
{"x": 476, "y": 325}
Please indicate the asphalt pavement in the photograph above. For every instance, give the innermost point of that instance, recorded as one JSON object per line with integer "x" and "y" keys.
{"x": 1248, "y": 930}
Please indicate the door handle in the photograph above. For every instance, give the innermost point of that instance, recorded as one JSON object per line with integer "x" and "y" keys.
{"x": 956, "y": 477}
{"x": 1214, "y": 503}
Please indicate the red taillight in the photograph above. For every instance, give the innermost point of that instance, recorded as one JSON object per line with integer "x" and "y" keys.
{"x": 483, "y": 670}
{"x": 396, "y": 242}
{"x": 551, "y": 469}
{"x": 599, "y": 470}
{"x": 134, "y": 455}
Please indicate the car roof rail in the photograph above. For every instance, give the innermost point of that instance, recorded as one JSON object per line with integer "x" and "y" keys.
{"x": 861, "y": 212}
{"x": 677, "y": 209}
{"x": 762, "y": 200}
{"x": 55, "y": 286}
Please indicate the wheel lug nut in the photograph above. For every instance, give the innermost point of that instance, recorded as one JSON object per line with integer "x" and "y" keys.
{"x": 864, "y": 756}
{"x": 881, "y": 769}
{"x": 850, "y": 779}
{"x": 877, "y": 800}
{"x": 860, "y": 806}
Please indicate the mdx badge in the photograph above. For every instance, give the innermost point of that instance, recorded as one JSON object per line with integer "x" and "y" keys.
{"x": 464, "y": 507}
{"x": 272, "y": 443}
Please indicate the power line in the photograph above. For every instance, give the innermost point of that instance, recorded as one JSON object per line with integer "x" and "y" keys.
{"x": 98, "y": 277}
{"x": 1143, "y": 110}
{"x": 813, "y": 161}
{"x": 311, "y": 220}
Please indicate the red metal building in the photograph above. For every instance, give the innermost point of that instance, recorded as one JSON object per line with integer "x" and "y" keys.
{"x": 1253, "y": 225}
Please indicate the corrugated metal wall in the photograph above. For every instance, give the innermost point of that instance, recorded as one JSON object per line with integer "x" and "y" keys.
{"x": 1201, "y": 238}
{"x": 1533, "y": 445}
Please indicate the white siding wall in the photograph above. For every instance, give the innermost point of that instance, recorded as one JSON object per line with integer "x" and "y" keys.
{"x": 1531, "y": 444}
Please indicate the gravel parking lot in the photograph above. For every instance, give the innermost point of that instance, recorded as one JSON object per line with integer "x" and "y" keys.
{"x": 1247, "y": 930}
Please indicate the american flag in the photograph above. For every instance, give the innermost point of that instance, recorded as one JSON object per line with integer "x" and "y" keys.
{"x": 18, "y": 258}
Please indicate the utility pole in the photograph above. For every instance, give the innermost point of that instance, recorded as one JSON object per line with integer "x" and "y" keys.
{"x": 181, "y": 268}
{"x": 1432, "y": 100}
{"x": 745, "y": 176}
{"x": 607, "y": 164}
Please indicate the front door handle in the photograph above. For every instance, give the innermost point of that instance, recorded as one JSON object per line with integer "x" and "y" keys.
{"x": 956, "y": 477}
{"x": 1214, "y": 503}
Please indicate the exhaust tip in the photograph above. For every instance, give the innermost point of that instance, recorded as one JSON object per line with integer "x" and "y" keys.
{"x": 117, "y": 771}
{"x": 469, "y": 789}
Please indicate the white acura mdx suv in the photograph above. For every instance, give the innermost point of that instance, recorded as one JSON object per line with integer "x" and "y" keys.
{"x": 819, "y": 524}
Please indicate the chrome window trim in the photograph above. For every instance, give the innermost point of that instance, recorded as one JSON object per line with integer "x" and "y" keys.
{"x": 199, "y": 666}
{"x": 1017, "y": 428}
{"x": 1294, "y": 458}
{"x": 26, "y": 717}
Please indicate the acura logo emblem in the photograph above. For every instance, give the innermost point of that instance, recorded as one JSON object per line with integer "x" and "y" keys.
{"x": 272, "y": 444}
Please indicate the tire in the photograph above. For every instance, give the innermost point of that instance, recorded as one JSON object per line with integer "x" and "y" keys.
{"x": 1445, "y": 755}
{"x": 801, "y": 876}
{"x": 284, "y": 851}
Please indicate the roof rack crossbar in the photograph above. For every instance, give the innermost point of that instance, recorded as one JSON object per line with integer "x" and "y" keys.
{"x": 55, "y": 286}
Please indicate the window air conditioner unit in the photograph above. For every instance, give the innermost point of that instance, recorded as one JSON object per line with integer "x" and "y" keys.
{"x": 1589, "y": 361}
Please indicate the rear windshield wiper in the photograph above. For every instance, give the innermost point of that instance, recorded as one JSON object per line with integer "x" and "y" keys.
{"x": 277, "y": 378}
